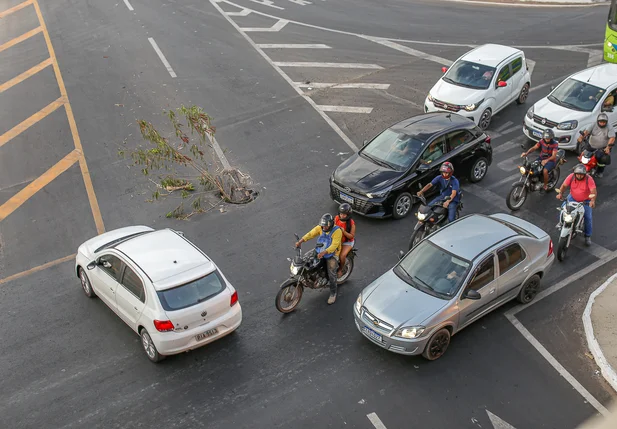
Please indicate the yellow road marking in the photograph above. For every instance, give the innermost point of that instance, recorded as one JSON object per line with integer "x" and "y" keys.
{"x": 37, "y": 184}
{"x": 15, "y": 8}
{"x": 21, "y": 38}
{"x": 37, "y": 269}
{"x": 25, "y": 75}
{"x": 20, "y": 128}
{"x": 94, "y": 205}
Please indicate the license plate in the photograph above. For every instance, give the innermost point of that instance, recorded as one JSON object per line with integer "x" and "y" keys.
{"x": 206, "y": 334}
{"x": 536, "y": 133}
{"x": 347, "y": 198}
{"x": 371, "y": 334}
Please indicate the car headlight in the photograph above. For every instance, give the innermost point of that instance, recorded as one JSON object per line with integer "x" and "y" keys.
{"x": 473, "y": 106}
{"x": 379, "y": 194}
{"x": 530, "y": 113}
{"x": 294, "y": 269}
{"x": 522, "y": 170}
{"x": 567, "y": 125}
{"x": 410, "y": 332}
{"x": 567, "y": 218}
{"x": 358, "y": 304}
{"x": 430, "y": 97}
{"x": 421, "y": 216}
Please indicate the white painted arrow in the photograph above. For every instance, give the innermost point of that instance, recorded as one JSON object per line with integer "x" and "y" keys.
{"x": 497, "y": 422}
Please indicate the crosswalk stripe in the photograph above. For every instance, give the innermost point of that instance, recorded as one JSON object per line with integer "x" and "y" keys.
{"x": 345, "y": 109}
{"x": 321, "y": 85}
{"x": 410, "y": 51}
{"x": 327, "y": 65}
{"x": 278, "y": 26}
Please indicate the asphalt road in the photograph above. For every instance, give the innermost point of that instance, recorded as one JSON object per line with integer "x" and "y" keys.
{"x": 68, "y": 362}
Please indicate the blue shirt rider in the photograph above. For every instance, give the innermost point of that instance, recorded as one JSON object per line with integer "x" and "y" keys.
{"x": 448, "y": 186}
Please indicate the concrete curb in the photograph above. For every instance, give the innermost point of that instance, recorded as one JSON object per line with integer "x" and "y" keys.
{"x": 605, "y": 368}
{"x": 534, "y": 3}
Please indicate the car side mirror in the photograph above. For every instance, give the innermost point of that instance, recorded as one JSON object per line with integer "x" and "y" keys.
{"x": 444, "y": 69}
{"x": 364, "y": 143}
{"x": 552, "y": 87}
{"x": 472, "y": 294}
{"x": 423, "y": 167}
{"x": 91, "y": 265}
{"x": 502, "y": 84}
{"x": 401, "y": 255}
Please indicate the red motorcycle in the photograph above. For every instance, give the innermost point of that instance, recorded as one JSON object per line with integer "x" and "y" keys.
{"x": 587, "y": 157}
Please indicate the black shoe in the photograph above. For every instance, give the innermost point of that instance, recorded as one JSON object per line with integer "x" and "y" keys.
{"x": 587, "y": 241}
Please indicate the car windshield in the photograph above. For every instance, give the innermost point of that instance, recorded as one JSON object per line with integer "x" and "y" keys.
{"x": 394, "y": 149}
{"x": 576, "y": 95}
{"x": 192, "y": 293}
{"x": 470, "y": 75}
{"x": 432, "y": 270}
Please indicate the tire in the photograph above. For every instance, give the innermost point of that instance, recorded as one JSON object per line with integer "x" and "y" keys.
{"x": 437, "y": 345}
{"x": 529, "y": 290}
{"x": 85, "y": 284}
{"x": 349, "y": 264}
{"x": 416, "y": 236}
{"x": 562, "y": 248}
{"x": 402, "y": 205}
{"x": 522, "y": 96}
{"x": 556, "y": 174}
{"x": 478, "y": 170}
{"x": 512, "y": 202}
{"x": 485, "y": 119}
{"x": 286, "y": 288}
{"x": 149, "y": 348}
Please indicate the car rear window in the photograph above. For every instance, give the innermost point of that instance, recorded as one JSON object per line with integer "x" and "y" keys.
{"x": 192, "y": 293}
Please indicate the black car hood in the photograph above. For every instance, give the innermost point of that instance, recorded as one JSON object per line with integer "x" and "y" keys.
{"x": 363, "y": 175}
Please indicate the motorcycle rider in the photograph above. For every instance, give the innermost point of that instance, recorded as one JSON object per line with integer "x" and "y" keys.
{"x": 448, "y": 185}
{"x": 548, "y": 154}
{"x": 344, "y": 221}
{"x": 581, "y": 186}
{"x": 601, "y": 141}
{"x": 330, "y": 235}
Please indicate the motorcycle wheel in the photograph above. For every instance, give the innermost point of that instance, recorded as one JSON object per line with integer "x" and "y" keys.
{"x": 417, "y": 236}
{"x": 349, "y": 263}
{"x": 516, "y": 197}
{"x": 555, "y": 178}
{"x": 285, "y": 301}
{"x": 562, "y": 248}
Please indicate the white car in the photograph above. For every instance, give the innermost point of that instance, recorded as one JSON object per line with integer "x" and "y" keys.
{"x": 574, "y": 105}
{"x": 162, "y": 286}
{"x": 481, "y": 83}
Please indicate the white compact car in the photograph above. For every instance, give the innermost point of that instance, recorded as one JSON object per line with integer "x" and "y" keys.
{"x": 481, "y": 83}
{"x": 574, "y": 105}
{"x": 162, "y": 286}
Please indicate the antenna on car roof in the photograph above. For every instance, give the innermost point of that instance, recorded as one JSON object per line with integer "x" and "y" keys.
{"x": 591, "y": 75}
{"x": 449, "y": 116}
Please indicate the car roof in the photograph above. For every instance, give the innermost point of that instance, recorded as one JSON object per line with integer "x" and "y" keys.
{"x": 164, "y": 254}
{"x": 603, "y": 75}
{"x": 490, "y": 54}
{"x": 426, "y": 125}
{"x": 471, "y": 235}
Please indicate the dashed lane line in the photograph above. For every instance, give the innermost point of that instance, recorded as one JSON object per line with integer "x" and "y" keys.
{"x": 15, "y": 8}
{"x": 376, "y": 421}
{"x": 293, "y": 45}
{"x": 21, "y": 38}
{"x": 128, "y": 5}
{"x": 171, "y": 71}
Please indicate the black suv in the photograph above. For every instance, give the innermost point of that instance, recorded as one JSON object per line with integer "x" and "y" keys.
{"x": 381, "y": 178}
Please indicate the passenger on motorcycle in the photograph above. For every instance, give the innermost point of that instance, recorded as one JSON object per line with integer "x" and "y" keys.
{"x": 601, "y": 141}
{"x": 548, "y": 154}
{"x": 581, "y": 186}
{"x": 448, "y": 186}
{"x": 330, "y": 235}
{"x": 344, "y": 221}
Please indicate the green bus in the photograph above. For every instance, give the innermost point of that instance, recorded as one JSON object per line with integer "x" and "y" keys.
{"x": 610, "y": 39}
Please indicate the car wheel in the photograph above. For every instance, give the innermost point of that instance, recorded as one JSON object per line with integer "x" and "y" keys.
{"x": 529, "y": 290}
{"x": 85, "y": 283}
{"x": 478, "y": 170}
{"x": 402, "y": 205}
{"x": 485, "y": 119}
{"x": 437, "y": 345}
{"x": 149, "y": 347}
{"x": 522, "y": 96}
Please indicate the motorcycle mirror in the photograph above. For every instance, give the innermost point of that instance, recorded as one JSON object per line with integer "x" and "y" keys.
{"x": 401, "y": 255}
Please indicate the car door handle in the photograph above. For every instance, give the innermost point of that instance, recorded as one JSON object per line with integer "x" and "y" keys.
{"x": 526, "y": 269}
{"x": 491, "y": 291}
{"x": 136, "y": 309}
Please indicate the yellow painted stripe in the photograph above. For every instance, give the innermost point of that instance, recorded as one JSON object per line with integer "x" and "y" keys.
{"x": 25, "y": 75}
{"x": 37, "y": 184}
{"x": 21, "y": 38}
{"x": 20, "y": 128}
{"x": 37, "y": 269}
{"x": 94, "y": 205}
{"x": 15, "y": 8}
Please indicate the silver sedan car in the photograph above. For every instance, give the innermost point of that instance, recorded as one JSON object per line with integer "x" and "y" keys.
{"x": 452, "y": 278}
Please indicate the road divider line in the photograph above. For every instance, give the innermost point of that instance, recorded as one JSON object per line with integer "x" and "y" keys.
{"x": 25, "y": 75}
{"x": 128, "y": 5}
{"x": 327, "y": 65}
{"x": 321, "y": 85}
{"x": 37, "y": 184}
{"x": 345, "y": 109}
{"x": 408, "y": 50}
{"x": 21, "y": 38}
{"x": 268, "y": 3}
{"x": 27, "y": 123}
{"x": 14, "y": 9}
{"x": 278, "y": 26}
{"x": 36, "y": 269}
{"x": 171, "y": 71}
{"x": 376, "y": 421}
{"x": 292, "y": 46}
{"x": 243, "y": 12}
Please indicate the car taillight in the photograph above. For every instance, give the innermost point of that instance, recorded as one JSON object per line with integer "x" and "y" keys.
{"x": 487, "y": 139}
{"x": 550, "y": 248}
{"x": 163, "y": 325}
{"x": 234, "y": 299}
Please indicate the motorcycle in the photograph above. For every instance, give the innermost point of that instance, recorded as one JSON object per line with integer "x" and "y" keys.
{"x": 431, "y": 218}
{"x": 532, "y": 180}
{"x": 308, "y": 271}
{"x": 571, "y": 219}
{"x": 587, "y": 155}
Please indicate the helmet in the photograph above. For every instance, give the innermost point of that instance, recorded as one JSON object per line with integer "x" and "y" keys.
{"x": 548, "y": 134}
{"x": 602, "y": 117}
{"x": 344, "y": 209}
{"x": 446, "y": 167}
{"x": 580, "y": 169}
{"x": 326, "y": 222}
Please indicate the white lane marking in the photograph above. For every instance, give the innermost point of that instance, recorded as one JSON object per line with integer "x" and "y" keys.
{"x": 511, "y": 144}
{"x": 243, "y": 12}
{"x": 595, "y": 58}
{"x": 531, "y": 65}
{"x": 320, "y": 85}
{"x": 409, "y": 50}
{"x": 308, "y": 99}
{"x": 550, "y": 82}
{"x": 278, "y": 26}
{"x": 162, "y": 57}
{"x": 376, "y": 421}
{"x": 265, "y": 3}
{"x": 292, "y": 46}
{"x": 328, "y": 65}
{"x": 509, "y": 179}
{"x": 605, "y": 367}
{"x": 511, "y": 129}
{"x": 219, "y": 152}
{"x": 300, "y": 2}
{"x": 497, "y": 422}
{"x": 345, "y": 109}
{"x": 504, "y": 126}
{"x": 128, "y": 5}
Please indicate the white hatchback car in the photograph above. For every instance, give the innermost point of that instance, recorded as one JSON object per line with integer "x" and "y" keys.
{"x": 162, "y": 286}
{"x": 574, "y": 105}
{"x": 481, "y": 83}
